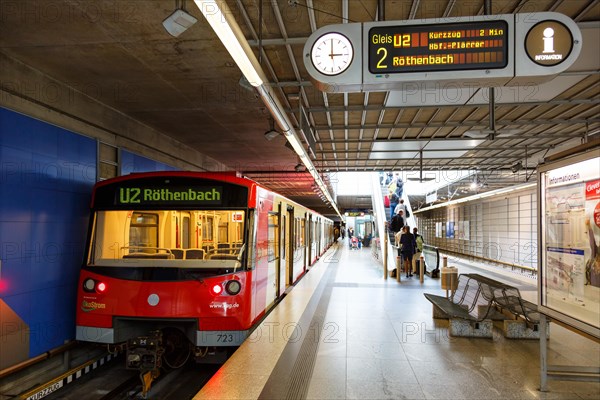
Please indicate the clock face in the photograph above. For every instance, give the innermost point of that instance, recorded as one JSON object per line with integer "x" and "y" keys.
{"x": 332, "y": 53}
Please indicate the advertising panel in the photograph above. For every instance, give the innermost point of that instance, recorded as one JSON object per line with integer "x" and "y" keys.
{"x": 569, "y": 279}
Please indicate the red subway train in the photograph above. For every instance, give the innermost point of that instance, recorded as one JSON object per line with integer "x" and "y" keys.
{"x": 182, "y": 264}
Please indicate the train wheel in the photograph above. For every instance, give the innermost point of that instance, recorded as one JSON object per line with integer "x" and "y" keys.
{"x": 177, "y": 348}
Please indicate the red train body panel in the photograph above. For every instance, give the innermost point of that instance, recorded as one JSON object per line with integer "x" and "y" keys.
{"x": 206, "y": 254}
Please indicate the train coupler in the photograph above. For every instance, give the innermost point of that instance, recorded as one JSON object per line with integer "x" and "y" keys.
{"x": 144, "y": 353}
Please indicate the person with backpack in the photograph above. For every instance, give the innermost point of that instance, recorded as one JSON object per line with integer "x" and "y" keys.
{"x": 401, "y": 207}
{"x": 397, "y": 222}
{"x": 420, "y": 242}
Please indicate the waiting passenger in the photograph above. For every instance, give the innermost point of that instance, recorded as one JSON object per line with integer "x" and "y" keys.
{"x": 407, "y": 248}
{"x": 419, "y": 241}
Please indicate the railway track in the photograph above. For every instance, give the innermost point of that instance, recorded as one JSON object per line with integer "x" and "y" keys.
{"x": 113, "y": 382}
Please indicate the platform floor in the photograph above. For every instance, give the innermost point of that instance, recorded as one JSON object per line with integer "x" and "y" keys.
{"x": 344, "y": 332}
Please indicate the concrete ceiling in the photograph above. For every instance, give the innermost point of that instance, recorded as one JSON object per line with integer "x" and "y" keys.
{"x": 188, "y": 88}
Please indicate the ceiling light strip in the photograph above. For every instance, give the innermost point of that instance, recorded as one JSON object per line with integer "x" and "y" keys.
{"x": 478, "y": 196}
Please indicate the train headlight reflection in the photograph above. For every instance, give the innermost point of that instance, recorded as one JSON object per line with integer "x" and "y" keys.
{"x": 233, "y": 287}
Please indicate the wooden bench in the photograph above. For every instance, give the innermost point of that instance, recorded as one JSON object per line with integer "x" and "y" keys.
{"x": 466, "y": 310}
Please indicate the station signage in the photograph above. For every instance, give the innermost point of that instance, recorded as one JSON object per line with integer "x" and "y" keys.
{"x": 549, "y": 43}
{"x": 438, "y": 47}
{"x": 464, "y": 52}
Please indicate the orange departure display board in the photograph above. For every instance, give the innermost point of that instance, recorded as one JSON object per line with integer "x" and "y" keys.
{"x": 438, "y": 47}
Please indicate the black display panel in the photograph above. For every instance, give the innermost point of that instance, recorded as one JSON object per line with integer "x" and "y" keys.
{"x": 438, "y": 47}
{"x": 171, "y": 192}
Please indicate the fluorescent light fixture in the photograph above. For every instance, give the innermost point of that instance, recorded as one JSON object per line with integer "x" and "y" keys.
{"x": 178, "y": 22}
{"x": 491, "y": 193}
{"x": 485, "y": 133}
{"x": 218, "y": 14}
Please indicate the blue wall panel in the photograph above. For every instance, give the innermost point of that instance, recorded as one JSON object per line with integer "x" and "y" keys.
{"x": 131, "y": 162}
{"x": 47, "y": 175}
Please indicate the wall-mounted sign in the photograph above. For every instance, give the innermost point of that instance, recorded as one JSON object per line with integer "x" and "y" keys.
{"x": 438, "y": 47}
{"x": 549, "y": 43}
{"x": 569, "y": 238}
{"x": 431, "y": 197}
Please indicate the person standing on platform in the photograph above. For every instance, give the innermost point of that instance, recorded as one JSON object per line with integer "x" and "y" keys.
{"x": 419, "y": 241}
{"x": 408, "y": 248}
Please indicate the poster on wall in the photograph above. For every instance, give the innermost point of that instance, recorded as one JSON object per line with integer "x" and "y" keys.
{"x": 569, "y": 281}
{"x": 450, "y": 229}
{"x": 463, "y": 230}
{"x": 438, "y": 229}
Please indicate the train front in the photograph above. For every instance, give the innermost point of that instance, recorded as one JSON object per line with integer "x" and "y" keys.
{"x": 165, "y": 276}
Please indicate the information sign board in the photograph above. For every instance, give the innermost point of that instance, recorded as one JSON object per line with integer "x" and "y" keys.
{"x": 462, "y": 52}
{"x": 569, "y": 273}
{"x": 438, "y": 47}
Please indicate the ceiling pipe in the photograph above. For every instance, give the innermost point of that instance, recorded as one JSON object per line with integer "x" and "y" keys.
{"x": 487, "y": 10}
{"x": 220, "y": 17}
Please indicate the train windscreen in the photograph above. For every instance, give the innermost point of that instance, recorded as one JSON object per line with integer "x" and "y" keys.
{"x": 167, "y": 238}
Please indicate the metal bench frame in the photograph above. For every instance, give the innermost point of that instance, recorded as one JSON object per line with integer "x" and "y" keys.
{"x": 466, "y": 309}
{"x": 478, "y": 299}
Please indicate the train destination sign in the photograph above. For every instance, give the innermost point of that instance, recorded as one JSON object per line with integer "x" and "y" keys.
{"x": 189, "y": 195}
{"x": 438, "y": 47}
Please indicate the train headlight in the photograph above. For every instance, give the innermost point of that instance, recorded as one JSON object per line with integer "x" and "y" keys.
{"x": 233, "y": 287}
{"x": 89, "y": 285}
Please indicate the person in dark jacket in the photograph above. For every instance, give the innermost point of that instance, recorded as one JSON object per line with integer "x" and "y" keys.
{"x": 408, "y": 247}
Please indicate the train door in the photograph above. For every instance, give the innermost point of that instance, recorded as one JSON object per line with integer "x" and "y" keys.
{"x": 317, "y": 235}
{"x": 186, "y": 237}
{"x": 273, "y": 291}
{"x": 283, "y": 248}
{"x": 310, "y": 241}
{"x": 289, "y": 269}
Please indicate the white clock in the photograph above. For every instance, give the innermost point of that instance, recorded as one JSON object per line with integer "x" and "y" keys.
{"x": 332, "y": 53}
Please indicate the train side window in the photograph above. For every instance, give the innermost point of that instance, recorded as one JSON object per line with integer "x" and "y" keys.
{"x": 143, "y": 232}
{"x": 273, "y": 244}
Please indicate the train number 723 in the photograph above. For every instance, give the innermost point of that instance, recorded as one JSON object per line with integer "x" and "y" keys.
{"x": 225, "y": 338}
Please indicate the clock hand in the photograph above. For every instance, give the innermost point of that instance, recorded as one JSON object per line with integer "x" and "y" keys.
{"x": 331, "y": 54}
